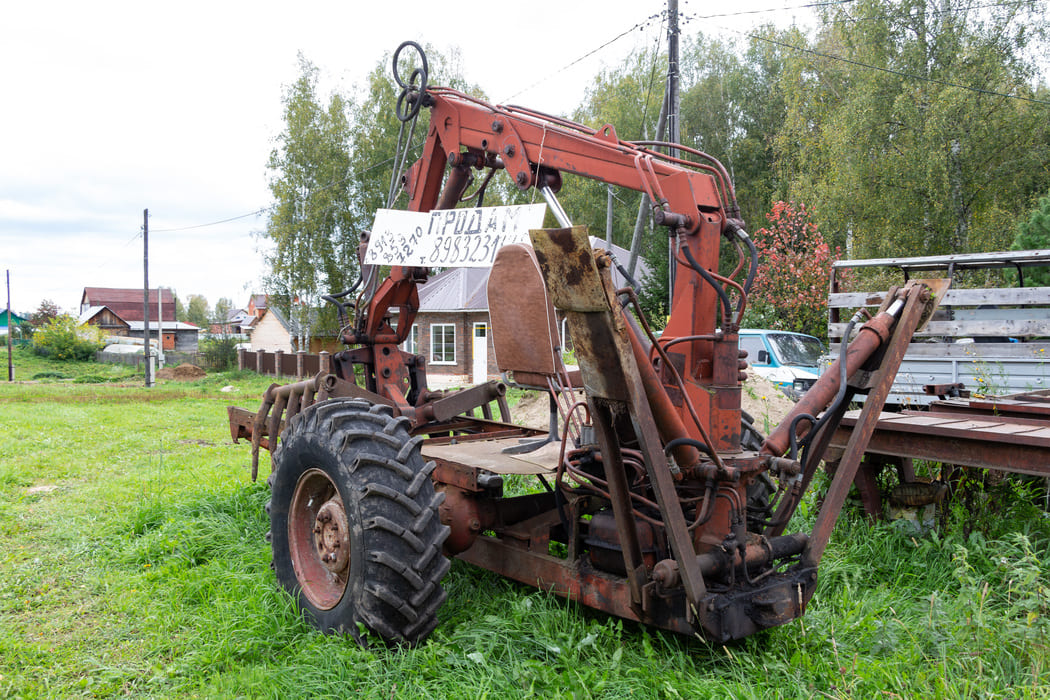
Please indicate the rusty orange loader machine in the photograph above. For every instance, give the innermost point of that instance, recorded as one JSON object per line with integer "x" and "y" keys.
{"x": 656, "y": 499}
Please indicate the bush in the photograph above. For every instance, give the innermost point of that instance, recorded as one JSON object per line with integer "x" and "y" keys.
{"x": 61, "y": 339}
{"x": 220, "y": 354}
{"x": 791, "y": 287}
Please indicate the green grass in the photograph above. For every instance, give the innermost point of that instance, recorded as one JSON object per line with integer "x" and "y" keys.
{"x": 132, "y": 564}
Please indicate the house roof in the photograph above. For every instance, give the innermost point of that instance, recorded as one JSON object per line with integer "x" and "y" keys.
{"x": 465, "y": 288}
{"x": 88, "y": 313}
{"x": 17, "y": 319}
{"x": 253, "y": 323}
{"x": 456, "y": 289}
{"x": 127, "y": 303}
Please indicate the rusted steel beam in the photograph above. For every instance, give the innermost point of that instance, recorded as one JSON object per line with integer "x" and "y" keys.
{"x": 460, "y": 402}
{"x": 240, "y": 423}
{"x": 989, "y": 442}
{"x": 611, "y": 375}
{"x": 620, "y": 499}
{"x": 591, "y": 588}
{"x": 917, "y": 299}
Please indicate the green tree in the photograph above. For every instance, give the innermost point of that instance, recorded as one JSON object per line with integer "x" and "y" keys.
{"x": 1032, "y": 233}
{"x": 910, "y": 125}
{"x": 313, "y": 243}
{"x": 731, "y": 110}
{"x": 222, "y": 310}
{"x": 197, "y": 311}
{"x": 331, "y": 171}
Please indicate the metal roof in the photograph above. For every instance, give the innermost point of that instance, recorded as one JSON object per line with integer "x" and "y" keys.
{"x": 465, "y": 288}
{"x": 456, "y": 289}
{"x": 127, "y": 303}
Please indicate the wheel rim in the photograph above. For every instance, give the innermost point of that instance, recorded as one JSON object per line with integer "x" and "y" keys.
{"x": 319, "y": 539}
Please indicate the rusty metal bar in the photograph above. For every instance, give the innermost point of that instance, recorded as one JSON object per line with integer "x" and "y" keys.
{"x": 619, "y": 498}
{"x": 462, "y": 401}
{"x": 917, "y": 299}
{"x": 1006, "y": 443}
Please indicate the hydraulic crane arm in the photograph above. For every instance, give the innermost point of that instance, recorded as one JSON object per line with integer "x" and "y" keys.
{"x": 534, "y": 148}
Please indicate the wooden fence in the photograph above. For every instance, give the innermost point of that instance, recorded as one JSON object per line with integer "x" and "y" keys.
{"x": 284, "y": 364}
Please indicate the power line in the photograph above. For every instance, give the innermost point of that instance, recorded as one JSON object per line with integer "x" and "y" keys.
{"x": 807, "y": 6}
{"x": 644, "y": 23}
{"x": 257, "y": 212}
{"x": 263, "y": 210}
{"x": 690, "y": 17}
{"x": 902, "y": 74}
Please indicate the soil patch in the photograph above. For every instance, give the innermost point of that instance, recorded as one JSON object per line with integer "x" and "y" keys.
{"x": 764, "y": 402}
{"x": 183, "y": 373}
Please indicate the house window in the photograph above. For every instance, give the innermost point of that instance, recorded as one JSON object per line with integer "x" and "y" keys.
{"x": 411, "y": 343}
{"x": 442, "y": 344}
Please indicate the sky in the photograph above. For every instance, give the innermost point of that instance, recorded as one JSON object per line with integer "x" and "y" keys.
{"x": 111, "y": 108}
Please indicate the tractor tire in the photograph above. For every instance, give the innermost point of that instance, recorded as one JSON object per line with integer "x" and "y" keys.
{"x": 354, "y": 524}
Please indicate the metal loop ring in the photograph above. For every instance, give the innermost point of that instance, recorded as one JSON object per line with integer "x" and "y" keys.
{"x": 411, "y": 97}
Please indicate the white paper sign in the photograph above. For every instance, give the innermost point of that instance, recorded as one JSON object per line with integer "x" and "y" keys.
{"x": 449, "y": 237}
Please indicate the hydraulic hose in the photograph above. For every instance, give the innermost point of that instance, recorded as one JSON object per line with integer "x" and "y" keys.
{"x": 723, "y": 297}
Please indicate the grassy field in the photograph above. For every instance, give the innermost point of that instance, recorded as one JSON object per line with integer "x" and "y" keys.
{"x": 132, "y": 563}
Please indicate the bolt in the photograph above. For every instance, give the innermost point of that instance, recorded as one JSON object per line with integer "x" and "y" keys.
{"x": 475, "y": 524}
{"x": 523, "y": 179}
{"x": 324, "y": 517}
{"x": 508, "y": 150}
{"x": 317, "y": 530}
{"x": 497, "y": 126}
{"x": 335, "y": 545}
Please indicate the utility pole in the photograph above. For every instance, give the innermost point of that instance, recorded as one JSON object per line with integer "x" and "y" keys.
{"x": 10, "y": 327}
{"x": 673, "y": 100}
{"x": 145, "y": 295}
{"x": 160, "y": 324}
{"x": 643, "y": 208}
{"x": 674, "y": 136}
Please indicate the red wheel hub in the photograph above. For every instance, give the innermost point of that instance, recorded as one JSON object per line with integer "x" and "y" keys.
{"x": 319, "y": 539}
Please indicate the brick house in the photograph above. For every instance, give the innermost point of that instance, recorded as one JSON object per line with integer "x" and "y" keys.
{"x": 451, "y": 328}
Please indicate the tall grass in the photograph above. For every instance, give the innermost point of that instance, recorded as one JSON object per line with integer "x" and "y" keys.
{"x": 132, "y": 563}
